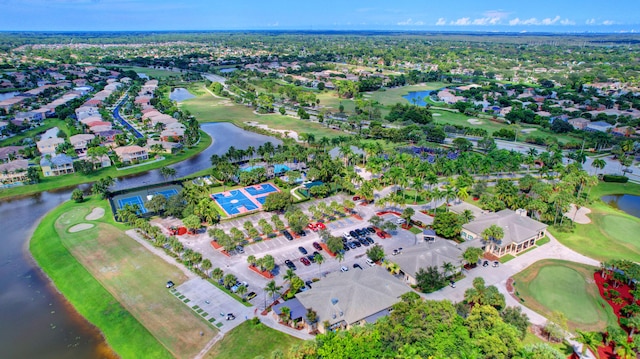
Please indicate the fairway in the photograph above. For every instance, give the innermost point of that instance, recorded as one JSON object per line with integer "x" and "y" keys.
{"x": 610, "y": 233}
{"x": 568, "y": 287}
{"x": 155, "y": 73}
{"x": 136, "y": 278}
{"x": 207, "y": 108}
{"x": 249, "y": 341}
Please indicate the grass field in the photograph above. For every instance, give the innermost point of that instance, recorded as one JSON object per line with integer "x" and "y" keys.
{"x": 208, "y": 108}
{"x": 568, "y": 287}
{"x": 155, "y": 73}
{"x": 47, "y": 124}
{"x": 249, "y": 341}
{"x": 608, "y": 236}
{"x": 118, "y": 285}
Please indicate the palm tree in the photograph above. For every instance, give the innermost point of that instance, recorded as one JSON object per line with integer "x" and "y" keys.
{"x": 589, "y": 340}
{"x": 598, "y": 164}
{"x": 625, "y": 350}
{"x": 447, "y": 267}
{"x": 272, "y": 289}
{"x": 319, "y": 260}
{"x": 417, "y": 185}
{"x": 241, "y": 291}
{"x": 467, "y": 216}
{"x": 217, "y": 274}
{"x": 289, "y": 275}
{"x": 206, "y": 265}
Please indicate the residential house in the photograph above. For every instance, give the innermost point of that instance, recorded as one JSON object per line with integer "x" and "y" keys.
{"x": 599, "y": 126}
{"x": 48, "y": 146}
{"x": 109, "y": 135}
{"x": 579, "y": 123}
{"x": 428, "y": 254}
{"x": 29, "y": 117}
{"x": 3, "y": 125}
{"x": 83, "y": 112}
{"x": 128, "y": 154}
{"x": 520, "y": 231}
{"x": 346, "y": 299}
{"x": 9, "y": 153}
{"x": 57, "y": 165}
{"x": 167, "y": 147}
{"x": 625, "y": 131}
{"x": 13, "y": 172}
{"x": 81, "y": 141}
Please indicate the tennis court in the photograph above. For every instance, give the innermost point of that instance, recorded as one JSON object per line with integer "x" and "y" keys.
{"x": 140, "y": 197}
{"x": 245, "y": 199}
{"x": 133, "y": 201}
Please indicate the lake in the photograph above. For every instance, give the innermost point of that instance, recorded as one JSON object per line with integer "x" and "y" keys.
{"x": 624, "y": 202}
{"x": 37, "y": 322}
{"x": 180, "y": 94}
{"x": 418, "y": 96}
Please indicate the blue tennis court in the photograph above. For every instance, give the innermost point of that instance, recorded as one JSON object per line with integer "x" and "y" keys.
{"x": 261, "y": 189}
{"x": 133, "y": 201}
{"x": 234, "y": 202}
{"x": 167, "y": 192}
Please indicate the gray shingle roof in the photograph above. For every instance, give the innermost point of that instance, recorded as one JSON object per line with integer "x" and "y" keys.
{"x": 516, "y": 228}
{"x": 354, "y": 295}
{"x": 427, "y": 255}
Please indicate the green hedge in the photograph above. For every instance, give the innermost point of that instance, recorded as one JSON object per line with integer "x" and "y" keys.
{"x": 615, "y": 178}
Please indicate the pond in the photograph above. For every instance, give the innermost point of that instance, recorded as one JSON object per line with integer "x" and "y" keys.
{"x": 8, "y": 95}
{"x": 180, "y": 94}
{"x": 625, "y": 202}
{"x": 418, "y": 97}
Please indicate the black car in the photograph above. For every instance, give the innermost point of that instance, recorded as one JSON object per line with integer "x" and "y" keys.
{"x": 371, "y": 230}
{"x": 364, "y": 242}
{"x": 353, "y": 234}
{"x": 344, "y": 239}
{"x": 345, "y": 246}
{"x": 311, "y": 258}
{"x": 356, "y": 265}
{"x": 485, "y": 263}
{"x": 302, "y": 250}
{"x": 290, "y": 264}
{"x": 370, "y": 240}
{"x": 170, "y": 284}
{"x": 317, "y": 246}
{"x": 357, "y": 244}
{"x": 287, "y": 235}
{"x": 302, "y": 233}
{"x": 308, "y": 283}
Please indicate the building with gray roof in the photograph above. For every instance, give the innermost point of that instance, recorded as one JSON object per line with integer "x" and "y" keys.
{"x": 520, "y": 231}
{"x": 428, "y": 254}
{"x": 345, "y": 299}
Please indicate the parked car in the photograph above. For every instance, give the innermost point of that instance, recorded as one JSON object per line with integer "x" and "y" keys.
{"x": 401, "y": 221}
{"x": 317, "y": 246}
{"x": 308, "y": 283}
{"x": 627, "y": 170}
{"x": 356, "y": 265}
{"x": 370, "y": 240}
{"x": 452, "y": 284}
{"x": 496, "y": 263}
{"x": 312, "y": 227}
{"x": 320, "y": 225}
{"x": 302, "y": 233}
{"x": 370, "y": 262}
{"x": 380, "y": 234}
{"x": 371, "y": 230}
{"x": 356, "y": 198}
{"x": 170, "y": 284}
{"x": 287, "y": 234}
{"x": 305, "y": 261}
{"x": 344, "y": 269}
{"x": 345, "y": 247}
{"x": 302, "y": 250}
{"x": 357, "y": 244}
{"x": 250, "y": 296}
{"x": 485, "y": 263}
{"x": 364, "y": 242}
{"x": 311, "y": 258}
{"x": 290, "y": 264}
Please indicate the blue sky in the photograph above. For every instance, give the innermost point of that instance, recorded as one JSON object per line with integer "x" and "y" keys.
{"x": 453, "y": 15}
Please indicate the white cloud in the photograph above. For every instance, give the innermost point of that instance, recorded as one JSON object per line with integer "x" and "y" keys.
{"x": 608, "y": 22}
{"x": 410, "y": 21}
{"x": 550, "y": 21}
{"x": 441, "y": 22}
{"x": 591, "y": 21}
{"x": 567, "y": 22}
{"x": 500, "y": 14}
{"x": 462, "y": 21}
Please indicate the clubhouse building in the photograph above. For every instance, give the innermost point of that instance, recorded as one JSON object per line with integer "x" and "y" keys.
{"x": 520, "y": 231}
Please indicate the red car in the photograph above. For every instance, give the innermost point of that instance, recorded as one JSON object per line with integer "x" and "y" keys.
{"x": 312, "y": 227}
{"x": 380, "y": 234}
{"x": 356, "y": 198}
{"x": 320, "y": 225}
{"x": 305, "y": 261}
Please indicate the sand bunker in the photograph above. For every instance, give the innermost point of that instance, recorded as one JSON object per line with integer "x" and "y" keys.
{"x": 527, "y": 130}
{"x": 581, "y": 216}
{"x": 475, "y": 121}
{"x": 436, "y": 114}
{"x": 81, "y": 227}
{"x": 288, "y": 133}
{"x": 97, "y": 213}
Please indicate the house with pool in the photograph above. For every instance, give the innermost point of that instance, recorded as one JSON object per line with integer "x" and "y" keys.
{"x": 520, "y": 232}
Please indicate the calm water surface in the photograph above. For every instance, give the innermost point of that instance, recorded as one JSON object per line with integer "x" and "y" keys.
{"x": 624, "y": 202}
{"x": 36, "y": 321}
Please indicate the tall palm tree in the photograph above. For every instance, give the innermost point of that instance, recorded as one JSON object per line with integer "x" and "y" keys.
{"x": 289, "y": 275}
{"x": 319, "y": 258}
{"x": 589, "y": 340}
{"x": 598, "y": 164}
{"x": 448, "y": 268}
{"x": 272, "y": 289}
{"x": 417, "y": 184}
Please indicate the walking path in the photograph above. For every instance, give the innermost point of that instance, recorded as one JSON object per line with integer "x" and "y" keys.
{"x": 269, "y": 321}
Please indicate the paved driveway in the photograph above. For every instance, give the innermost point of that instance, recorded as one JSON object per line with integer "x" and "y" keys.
{"x": 214, "y": 301}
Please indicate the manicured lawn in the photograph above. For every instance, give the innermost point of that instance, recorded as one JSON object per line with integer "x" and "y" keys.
{"x": 207, "y": 108}
{"x": 47, "y": 124}
{"x": 155, "y": 73}
{"x": 609, "y": 235}
{"x": 250, "y": 341}
{"x": 48, "y": 183}
{"x": 567, "y": 287}
{"x": 392, "y": 96}
{"x": 118, "y": 285}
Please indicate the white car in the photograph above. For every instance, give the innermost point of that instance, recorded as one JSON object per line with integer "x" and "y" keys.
{"x": 347, "y": 236}
{"x": 401, "y": 221}
{"x": 370, "y": 262}
{"x": 344, "y": 269}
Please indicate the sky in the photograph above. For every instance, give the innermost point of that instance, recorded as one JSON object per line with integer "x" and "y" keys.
{"x": 413, "y": 15}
